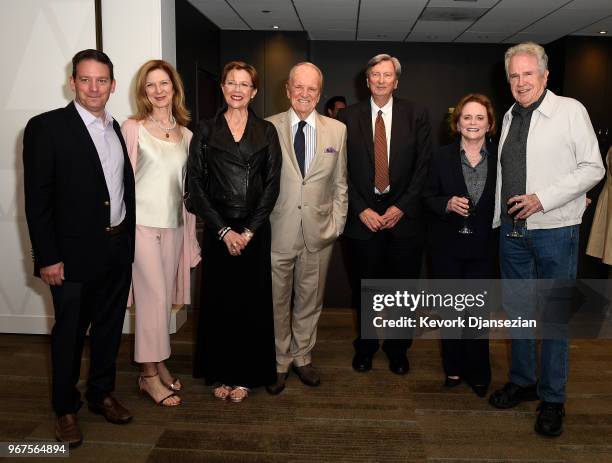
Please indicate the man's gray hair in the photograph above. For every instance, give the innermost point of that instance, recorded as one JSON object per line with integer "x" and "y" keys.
{"x": 384, "y": 57}
{"x": 306, "y": 63}
{"x": 527, "y": 48}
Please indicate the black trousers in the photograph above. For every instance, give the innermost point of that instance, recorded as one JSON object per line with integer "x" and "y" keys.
{"x": 384, "y": 256}
{"x": 235, "y": 332}
{"x": 466, "y": 358}
{"x": 100, "y": 303}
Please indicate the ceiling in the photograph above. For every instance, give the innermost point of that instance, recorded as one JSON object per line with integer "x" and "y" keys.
{"x": 486, "y": 21}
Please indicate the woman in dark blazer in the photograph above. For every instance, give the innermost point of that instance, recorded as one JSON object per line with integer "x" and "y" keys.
{"x": 465, "y": 168}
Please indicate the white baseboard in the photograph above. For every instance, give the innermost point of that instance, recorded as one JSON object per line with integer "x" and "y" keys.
{"x": 42, "y": 324}
{"x": 26, "y": 324}
{"x": 178, "y": 317}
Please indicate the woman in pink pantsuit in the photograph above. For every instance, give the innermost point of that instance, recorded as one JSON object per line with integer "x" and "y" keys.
{"x": 166, "y": 245}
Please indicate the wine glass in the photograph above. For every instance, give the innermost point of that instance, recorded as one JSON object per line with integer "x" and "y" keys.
{"x": 466, "y": 229}
{"x": 514, "y": 233}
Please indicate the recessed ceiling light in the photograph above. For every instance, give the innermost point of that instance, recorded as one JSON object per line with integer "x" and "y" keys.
{"x": 275, "y": 27}
{"x": 265, "y": 11}
{"x": 603, "y": 32}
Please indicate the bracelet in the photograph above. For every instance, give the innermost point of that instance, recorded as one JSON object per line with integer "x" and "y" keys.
{"x": 248, "y": 233}
{"x": 223, "y": 232}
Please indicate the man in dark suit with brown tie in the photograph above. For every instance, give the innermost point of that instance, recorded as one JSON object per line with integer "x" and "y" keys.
{"x": 80, "y": 208}
{"x": 388, "y": 151}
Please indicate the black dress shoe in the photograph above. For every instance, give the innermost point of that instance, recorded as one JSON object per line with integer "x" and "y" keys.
{"x": 550, "y": 419}
{"x": 399, "y": 366}
{"x": 512, "y": 394}
{"x": 279, "y": 385}
{"x": 452, "y": 382}
{"x": 362, "y": 362}
{"x": 308, "y": 375}
{"x": 480, "y": 389}
{"x": 112, "y": 410}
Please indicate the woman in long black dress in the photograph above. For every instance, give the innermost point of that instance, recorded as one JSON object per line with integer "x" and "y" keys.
{"x": 465, "y": 169}
{"x": 233, "y": 174}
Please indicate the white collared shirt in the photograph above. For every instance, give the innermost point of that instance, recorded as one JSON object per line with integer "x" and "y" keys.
{"x": 109, "y": 150}
{"x": 310, "y": 135}
{"x": 387, "y": 115}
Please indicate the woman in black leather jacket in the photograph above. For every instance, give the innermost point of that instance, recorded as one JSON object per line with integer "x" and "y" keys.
{"x": 233, "y": 175}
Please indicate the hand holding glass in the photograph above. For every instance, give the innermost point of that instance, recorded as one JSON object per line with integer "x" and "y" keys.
{"x": 514, "y": 233}
{"x": 466, "y": 229}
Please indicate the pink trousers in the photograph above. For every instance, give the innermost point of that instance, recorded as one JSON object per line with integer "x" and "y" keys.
{"x": 154, "y": 274}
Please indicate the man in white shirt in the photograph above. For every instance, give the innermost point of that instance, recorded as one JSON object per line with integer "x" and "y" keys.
{"x": 79, "y": 199}
{"x": 548, "y": 159}
{"x": 388, "y": 152}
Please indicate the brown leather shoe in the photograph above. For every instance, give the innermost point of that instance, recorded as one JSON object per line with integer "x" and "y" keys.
{"x": 112, "y": 410}
{"x": 279, "y": 385}
{"x": 308, "y": 375}
{"x": 67, "y": 430}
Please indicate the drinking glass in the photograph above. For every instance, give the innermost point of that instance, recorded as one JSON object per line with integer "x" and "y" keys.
{"x": 466, "y": 229}
{"x": 514, "y": 233}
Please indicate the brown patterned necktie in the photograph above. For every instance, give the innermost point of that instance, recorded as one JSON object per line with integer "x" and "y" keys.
{"x": 381, "y": 162}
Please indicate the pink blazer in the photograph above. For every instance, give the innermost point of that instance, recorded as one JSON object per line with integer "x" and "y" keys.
{"x": 191, "y": 248}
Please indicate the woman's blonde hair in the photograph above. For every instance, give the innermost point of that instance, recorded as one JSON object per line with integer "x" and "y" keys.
{"x": 144, "y": 107}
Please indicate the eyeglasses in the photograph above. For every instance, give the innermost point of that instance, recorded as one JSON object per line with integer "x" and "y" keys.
{"x": 239, "y": 85}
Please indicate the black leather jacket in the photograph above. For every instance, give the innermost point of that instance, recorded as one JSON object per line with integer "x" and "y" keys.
{"x": 229, "y": 180}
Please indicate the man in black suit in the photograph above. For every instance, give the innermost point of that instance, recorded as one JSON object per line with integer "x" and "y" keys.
{"x": 388, "y": 151}
{"x": 79, "y": 195}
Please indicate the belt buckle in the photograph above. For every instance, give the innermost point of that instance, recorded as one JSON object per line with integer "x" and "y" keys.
{"x": 114, "y": 230}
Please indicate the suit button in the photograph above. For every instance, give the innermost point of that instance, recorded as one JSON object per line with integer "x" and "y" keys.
{"x": 107, "y": 229}
{"x": 299, "y": 207}
{"x": 107, "y": 203}
{"x": 304, "y": 183}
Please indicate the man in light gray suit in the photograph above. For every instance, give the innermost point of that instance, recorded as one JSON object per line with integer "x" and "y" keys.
{"x": 308, "y": 217}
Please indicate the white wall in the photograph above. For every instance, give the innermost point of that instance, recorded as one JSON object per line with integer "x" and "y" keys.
{"x": 37, "y": 41}
{"x": 133, "y": 32}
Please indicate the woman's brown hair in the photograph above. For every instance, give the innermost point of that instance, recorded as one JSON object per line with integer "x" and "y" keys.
{"x": 476, "y": 98}
{"x": 241, "y": 66}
